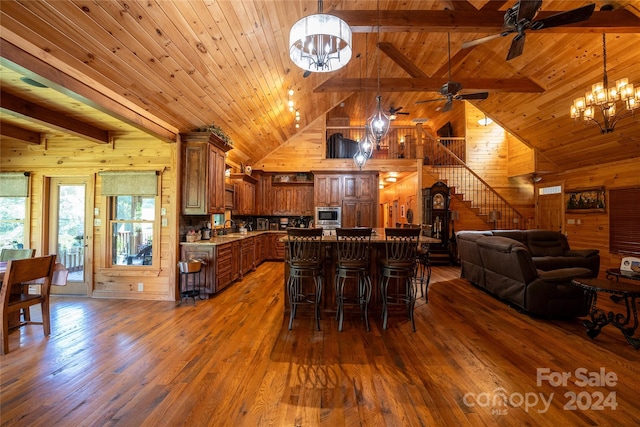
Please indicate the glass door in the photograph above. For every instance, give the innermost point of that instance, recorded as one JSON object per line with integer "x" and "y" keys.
{"x": 68, "y": 232}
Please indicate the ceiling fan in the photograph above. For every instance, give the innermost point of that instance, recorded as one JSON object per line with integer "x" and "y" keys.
{"x": 519, "y": 18}
{"x": 450, "y": 89}
{"x": 393, "y": 112}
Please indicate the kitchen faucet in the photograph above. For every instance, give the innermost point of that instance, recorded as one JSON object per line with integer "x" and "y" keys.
{"x": 224, "y": 226}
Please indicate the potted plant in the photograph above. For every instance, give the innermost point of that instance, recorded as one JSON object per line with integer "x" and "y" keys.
{"x": 216, "y": 130}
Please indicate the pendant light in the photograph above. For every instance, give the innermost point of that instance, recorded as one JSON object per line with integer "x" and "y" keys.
{"x": 379, "y": 122}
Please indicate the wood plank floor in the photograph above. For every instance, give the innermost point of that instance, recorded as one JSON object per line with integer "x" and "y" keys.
{"x": 231, "y": 361}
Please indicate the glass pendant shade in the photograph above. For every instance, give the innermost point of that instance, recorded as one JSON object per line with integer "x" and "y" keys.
{"x": 378, "y": 124}
{"x": 320, "y": 43}
{"x": 360, "y": 159}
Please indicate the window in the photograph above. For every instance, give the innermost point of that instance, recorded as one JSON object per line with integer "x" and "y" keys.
{"x": 13, "y": 212}
{"x": 14, "y": 192}
{"x": 556, "y": 189}
{"x": 132, "y": 226}
{"x": 624, "y": 217}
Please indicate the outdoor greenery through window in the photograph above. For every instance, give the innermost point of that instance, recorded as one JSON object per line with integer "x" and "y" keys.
{"x": 12, "y": 217}
{"x": 132, "y": 225}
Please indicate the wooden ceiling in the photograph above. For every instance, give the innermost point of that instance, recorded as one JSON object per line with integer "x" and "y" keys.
{"x": 118, "y": 68}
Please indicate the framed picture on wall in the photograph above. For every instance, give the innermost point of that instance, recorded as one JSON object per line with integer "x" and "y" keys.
{"x": 402, "y": 211}
{"x": 585, "y": 200}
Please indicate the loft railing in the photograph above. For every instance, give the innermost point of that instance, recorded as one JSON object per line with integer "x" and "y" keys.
{"x": 455, "y": 172}
{"x": 399, "y": 143}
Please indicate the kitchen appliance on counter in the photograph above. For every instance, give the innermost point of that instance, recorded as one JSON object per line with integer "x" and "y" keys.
{"x": 263, "y": 224}
{"x": 284, "y": 223}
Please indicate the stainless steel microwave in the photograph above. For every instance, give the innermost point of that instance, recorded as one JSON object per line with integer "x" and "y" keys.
{"x": 328, "y": 216}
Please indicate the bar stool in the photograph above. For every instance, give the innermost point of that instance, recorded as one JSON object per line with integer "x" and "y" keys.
{"x": 423, "y": 270}
{"x": 305, "y": 266}
{"x": 189, "y": 275}
{"x": 354, "y": 263}
{"x": 398, "y": 268}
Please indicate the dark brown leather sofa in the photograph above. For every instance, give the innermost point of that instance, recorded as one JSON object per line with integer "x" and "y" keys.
{"x": 505, "y": 267}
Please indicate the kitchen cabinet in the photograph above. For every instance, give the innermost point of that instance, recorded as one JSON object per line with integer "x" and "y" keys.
{"x": 327, "y": 189}
{"x": 248, "y": 260}
{"x": 205, "y": 253}
{"x": 358, "y": 213}
{"x": 356, "y": 193}
{"x": 227, "y": 264}
{"x": 275, "y": 248}
{"x": 245, "y": 194}
{"x": 203, "y": 167}
{"x": 292, "y": 199}
{"x": 263, "y": 194}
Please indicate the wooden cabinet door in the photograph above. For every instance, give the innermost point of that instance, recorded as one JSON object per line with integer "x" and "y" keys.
{"x": 194, "y": 184}
{"x": 304, "y": 200}
{"x": 247, "y": 256}
{"x": 263, "y": 196}
{"x": 224, "y": 276}
{"x": 235, "y": 260}
{"x": 358, "y": 213}
{"x": 367, "y": 186}
{"x": 216, "y": 180}
{"x": 327, "y": 190}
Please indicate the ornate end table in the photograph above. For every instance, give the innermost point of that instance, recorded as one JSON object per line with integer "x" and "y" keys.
{"x": 626, "y": 322}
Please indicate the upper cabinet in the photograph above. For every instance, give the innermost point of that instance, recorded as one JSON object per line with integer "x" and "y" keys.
{"x": 356, "y": 193}
{"x": 245, "y": 194}
{"x": 203, "y": 166}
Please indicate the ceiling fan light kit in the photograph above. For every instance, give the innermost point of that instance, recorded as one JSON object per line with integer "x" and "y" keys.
{"x": 604, "y": 99}
{"x": 320, "y": 42}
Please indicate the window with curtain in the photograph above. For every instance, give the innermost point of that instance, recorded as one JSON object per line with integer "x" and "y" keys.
{"x": 132, "y": 216}
{"x": 14, "y": 192}
{"x": 624, "y": 221}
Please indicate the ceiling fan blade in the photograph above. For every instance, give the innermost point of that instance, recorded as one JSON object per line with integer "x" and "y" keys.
{"x": 405, "y": 113}
{"x": 517, "y": 46}
{"x": 476, "y": 42}
{"x": 431, "y": 100}
{"x": 479, "y": 95}
{"x": 527, "y": 9}
{"x": 569, "y": 17}
{"x": 306, "y": 74}
{"x": 448, "y": 106}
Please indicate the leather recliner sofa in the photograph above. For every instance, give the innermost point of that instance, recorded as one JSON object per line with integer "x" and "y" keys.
{"x": 505, "y": 267}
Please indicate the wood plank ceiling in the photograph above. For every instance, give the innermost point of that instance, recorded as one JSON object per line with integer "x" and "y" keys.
{"x": 173, "y": 66}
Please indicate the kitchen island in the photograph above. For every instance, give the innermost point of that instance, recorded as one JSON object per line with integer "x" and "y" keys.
{"x": 330, "y": 252}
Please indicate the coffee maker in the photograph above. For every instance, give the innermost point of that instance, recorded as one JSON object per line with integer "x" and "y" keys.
{"x": 206, "y": 232}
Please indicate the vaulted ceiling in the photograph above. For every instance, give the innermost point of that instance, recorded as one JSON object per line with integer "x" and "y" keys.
{"x": 114, "y": 68}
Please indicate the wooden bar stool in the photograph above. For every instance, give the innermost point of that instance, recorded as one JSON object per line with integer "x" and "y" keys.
{"x": 354, "y": 262}
{"x": 398, "y": 269}
{"x": 305, "y": 268}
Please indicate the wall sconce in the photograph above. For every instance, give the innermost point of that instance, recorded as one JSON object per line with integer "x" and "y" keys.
{"x": 485, "y": 121}
{"x": 495, "y": 216}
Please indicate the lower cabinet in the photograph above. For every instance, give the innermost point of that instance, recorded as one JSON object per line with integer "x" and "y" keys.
{"x": 227, "y": 264}
{"x": 248, "y": 257}
{"x": 277, "y": 246}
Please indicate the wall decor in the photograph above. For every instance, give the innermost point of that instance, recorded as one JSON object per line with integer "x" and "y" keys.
{"x": 585, "y": 200}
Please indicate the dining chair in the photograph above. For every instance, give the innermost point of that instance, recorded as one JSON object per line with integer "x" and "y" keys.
{"x": 14, "y": 300}
{"x": 9, "y": 254}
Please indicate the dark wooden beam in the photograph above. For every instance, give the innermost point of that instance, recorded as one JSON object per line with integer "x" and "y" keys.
{"x": 404, "y": 62}
{"x": 23, "y": 62}
{"x": 477, "y": 21}
{"x": 422, "y": 84}
{"x": 18, "y": 107}
{"x": 21, "y": 134}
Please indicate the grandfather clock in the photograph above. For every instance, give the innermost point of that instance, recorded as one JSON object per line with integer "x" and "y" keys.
{"x": 436, "y": 201}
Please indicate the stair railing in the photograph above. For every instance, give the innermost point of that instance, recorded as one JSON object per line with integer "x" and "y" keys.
{"x": 456, "y": 173}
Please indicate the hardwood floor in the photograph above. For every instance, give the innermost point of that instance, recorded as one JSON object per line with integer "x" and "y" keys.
{"x": 231, "y": 361}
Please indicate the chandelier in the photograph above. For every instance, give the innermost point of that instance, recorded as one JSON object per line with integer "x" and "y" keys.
{"x": 320, "y": 42}
{"x": 605, "y": 99}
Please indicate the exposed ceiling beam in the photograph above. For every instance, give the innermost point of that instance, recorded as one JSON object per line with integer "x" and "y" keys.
{"x": 23, "y": 109}
{"x": 24, "y": 135}
{"x": 422, "y": 84}
{"x": 404, "y": 62}
{"x": 477, "y": 21}
{"x": 19, "y": 60}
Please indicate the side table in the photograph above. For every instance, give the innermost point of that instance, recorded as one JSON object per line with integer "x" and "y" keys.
{"x": 616, "y": 274}
{"x": 629, "y": 292}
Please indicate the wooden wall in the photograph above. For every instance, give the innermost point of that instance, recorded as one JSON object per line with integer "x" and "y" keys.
{"x": 593, "y": 232}
{"x": 74, "y": 157}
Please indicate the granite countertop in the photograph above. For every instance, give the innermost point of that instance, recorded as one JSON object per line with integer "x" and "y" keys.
{"x": 231, "y": 237}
